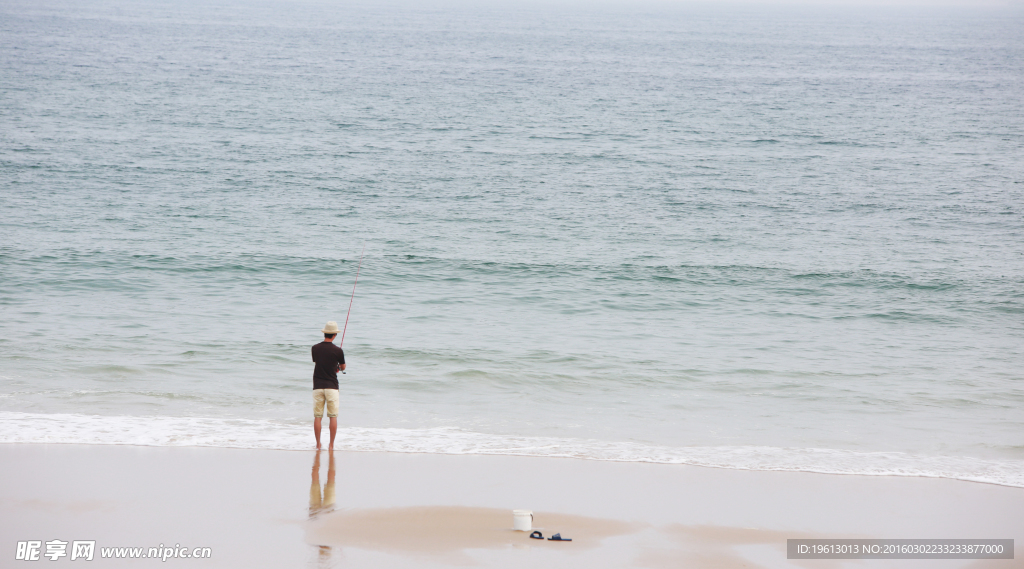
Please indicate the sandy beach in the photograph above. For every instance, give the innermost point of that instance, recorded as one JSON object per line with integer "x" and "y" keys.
{"x": 257, "y": 508}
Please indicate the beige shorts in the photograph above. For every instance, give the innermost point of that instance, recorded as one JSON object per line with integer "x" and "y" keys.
{"x": 321, "y": 396}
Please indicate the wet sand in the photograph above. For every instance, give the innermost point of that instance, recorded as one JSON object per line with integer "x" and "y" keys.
{"x": 257, "y": 508}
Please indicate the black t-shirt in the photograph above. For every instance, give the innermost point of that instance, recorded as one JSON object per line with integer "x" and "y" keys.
{"x": 327, "y": 357}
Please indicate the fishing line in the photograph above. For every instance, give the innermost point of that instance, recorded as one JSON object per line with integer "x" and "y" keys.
{"x": 342, "y": 342}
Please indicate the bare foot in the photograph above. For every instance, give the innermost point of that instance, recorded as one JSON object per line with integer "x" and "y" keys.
{"x": 317, "y": 446}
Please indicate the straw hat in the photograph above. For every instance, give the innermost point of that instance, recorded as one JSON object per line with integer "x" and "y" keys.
{"x": 330, "y": 328}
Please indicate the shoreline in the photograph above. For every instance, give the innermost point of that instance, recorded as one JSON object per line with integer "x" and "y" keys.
{"x": 587, "y": 459}
{"x": 255, "y": 508}
{"x": 160, "y": 431}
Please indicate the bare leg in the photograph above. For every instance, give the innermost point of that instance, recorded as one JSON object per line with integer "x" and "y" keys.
{"x": 316, "y": 431}
{"x": 334, "y": 430}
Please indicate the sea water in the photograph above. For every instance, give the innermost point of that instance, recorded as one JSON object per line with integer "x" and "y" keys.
{"x": 743, "y": 237}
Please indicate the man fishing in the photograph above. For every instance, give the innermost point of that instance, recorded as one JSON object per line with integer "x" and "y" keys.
{"x": 329, "y": 359}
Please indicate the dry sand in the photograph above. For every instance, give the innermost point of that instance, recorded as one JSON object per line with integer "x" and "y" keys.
{"x": 274, "y": 509}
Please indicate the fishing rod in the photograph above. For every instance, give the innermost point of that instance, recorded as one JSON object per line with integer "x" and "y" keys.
{"x": 342, "y": 342}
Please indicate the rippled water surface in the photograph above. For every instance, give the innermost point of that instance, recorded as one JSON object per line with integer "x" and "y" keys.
{"x": 750, "y": 238}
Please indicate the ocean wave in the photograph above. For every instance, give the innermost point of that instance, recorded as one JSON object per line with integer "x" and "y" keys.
{"x": 265, "y": 434}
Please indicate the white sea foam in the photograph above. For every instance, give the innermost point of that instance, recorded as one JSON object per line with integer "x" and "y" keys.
{"x": 262, "y": 434}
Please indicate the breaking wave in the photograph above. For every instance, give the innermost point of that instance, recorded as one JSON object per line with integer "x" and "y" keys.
{"x": 265, "y": 434}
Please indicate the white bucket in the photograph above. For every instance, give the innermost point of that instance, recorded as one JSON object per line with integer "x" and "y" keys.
{"x": 522, "y": 520}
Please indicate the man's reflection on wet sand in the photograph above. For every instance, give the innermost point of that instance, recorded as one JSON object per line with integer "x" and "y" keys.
{"x": 322, "y": 503}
